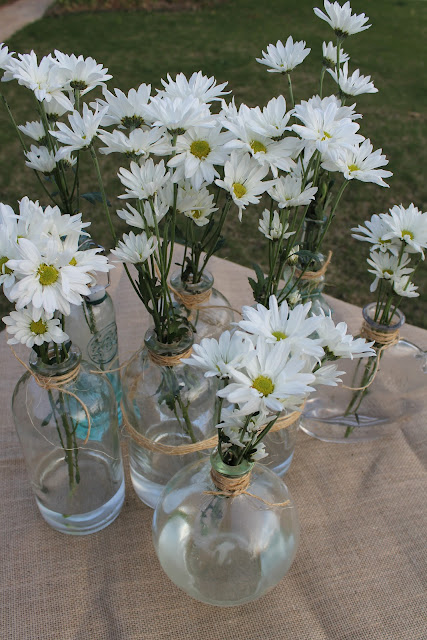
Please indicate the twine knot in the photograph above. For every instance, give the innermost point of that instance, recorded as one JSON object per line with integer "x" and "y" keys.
{"x": 231, "y": 487}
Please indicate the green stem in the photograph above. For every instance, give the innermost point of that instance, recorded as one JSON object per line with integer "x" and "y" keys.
{"x": 102, "y": 190}
{"x": 291, "y": 93}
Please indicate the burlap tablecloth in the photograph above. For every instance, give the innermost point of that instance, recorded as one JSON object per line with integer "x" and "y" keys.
{"x": 360, "y": 571}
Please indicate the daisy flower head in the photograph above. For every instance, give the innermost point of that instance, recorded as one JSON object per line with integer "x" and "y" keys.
{"x": 40, "y": 159}
{"x": 270, "y": 381}
{"x": 125, "y": 110}
{"x": 337, "y": 343}
{"x": 287, "y": 192}
{"x": 358, "y": 162}
{"x": 328, "y": 375}
{"x": 25, "y": 330}
{"x": 386, "y": 266}
{"x": 341, "y": 19}
{"x": 198, "y": 86}
{"x": 8, "y": 251}
{"x": 410, "y": 226}
{"x": 41, "y": 78}
{"x": 280, "y": 323}
{"x": 240, "y": 432}
{"x": 198, "y": 151}
{"x": 374, "y": 231}
{"x": 195, "y": 204}
{"x": 341, "y": 110}
{"x": 34, "y": 130}
{"x": 272, "y": 122}
{"x": 143, "y": 182}
{"x": 145, "y": 219}
{"x": 83, "y": 129}
{"x": 79, "y": 73}
{"x": 271, "y": 227}
{"x": 353, "y": 85}
{"x": 178, "y": 114}
{"x": 405, "y": 288}
{"x": 243, "y": 179}
{"x": 322, "y": 127}
{"x": 215, "y": 357}
{"x": 330, "y": 54}
{"x": 6, "y": 58}
{"x": 55, "y": 110}
{"x": 135, "y": 249}
{"x": 139, "y": 143}
{"x": 284, "y": 58}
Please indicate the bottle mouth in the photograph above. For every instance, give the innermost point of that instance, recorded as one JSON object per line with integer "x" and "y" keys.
{"x": 54, "y": 368}
{"x": 369, "y": 312}
{"x": 227, "y": 470}
{"x": 204, "y": 284}
{"x": 172, "y": 349}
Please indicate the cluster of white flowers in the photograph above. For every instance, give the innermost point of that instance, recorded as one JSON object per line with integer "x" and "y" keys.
{"x": 397, "y": 238}
{"x": 43, "y": 270}
{"x": 270, "y": 364}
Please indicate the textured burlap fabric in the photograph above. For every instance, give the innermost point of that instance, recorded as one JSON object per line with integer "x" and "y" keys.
{"x": 360, "y": 572}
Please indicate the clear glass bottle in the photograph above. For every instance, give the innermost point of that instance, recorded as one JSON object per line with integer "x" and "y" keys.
{"x": 211, "y": 314}
{"x": 311, "y": 288}
{"x": 169, "y": 405}
{"x": 92, "y": 327}
{"x": 398, "y": 390}
{"x": 280, "y": 448}
{"x": 79, "y": 486}
{"x": 223, "y": 550}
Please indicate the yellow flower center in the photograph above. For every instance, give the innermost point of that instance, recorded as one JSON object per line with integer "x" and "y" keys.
{"x": 279, "y": 335}
{"x": 47, "y": 274}
{"x": 38, "y": 327}
{"x": 197, "y": 214}
{"x": 258, "y": 147}
{"x": 264, "y": 385}
{"x": 239, "y": 190}
{"x": 326, "y": 135}
{"x": 353, "y": 167}
{"x": 3, "y": 268}
{"x": 381, "y": 241}
{"x": 73, "y": 262}
{"x": 406, "y": 232}
{"x": 388, "y": 272}
{"x": 200, "y": 149}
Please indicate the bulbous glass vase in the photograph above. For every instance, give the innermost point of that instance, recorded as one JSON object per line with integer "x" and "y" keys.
{"x": 224, "y": 550}
{"x": 92, "y": 327}
{"x": 394, "y": 392}
{"x": 168, "y": 405}
{"x": 207, "y": 309}
{"x": 75, "y": 467}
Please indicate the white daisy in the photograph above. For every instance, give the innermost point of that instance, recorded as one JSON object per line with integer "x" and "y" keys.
{"x": 276, "y": 324}
{"x": 40, "y": 159}
{"x": 328, "y": 375}
{"x": 197, "y": 205}
{"x": 144, "y": 181}
{"x": 54, "y": 110}
{"x": 215, "y": 357}
{"x": 353, "y": 85}
{"x": 388, "y": 267}
{"x": 34, "y": 130}
{"x": 135, "y": 249}
{"x": 198, "y": 151}
{"x": 405, "y": 288}
{"x": 198, "y": 86}
{"x": 287, "y": 192}
{"x": 25, "y": 330}
{"x": 83, "y": 129}
{"x": 79, "y": 73}
{"x": 178, "y": 114}
{"x": 271, "y": 227}
{"x": 329, "y": 52}
{"x": 126, "y": 111}
{"x": 243, "y": 179}
{"x": 42, "y": 79}
{"x": 338, "y": 344}
{"x": 341, "y": 19}
{"x": 270, "y": 381}
{"x": 6, "y": 58}
{"x": 358, "y": 163}
{"x": 374, "y": 232}
{"x": 8, "y": 251}
{"x": 272, "y": 121}
{"x": 138, "y": 143}
{"x": 410, "y": 226}
{"x": 284, "y": 58}
{"x": 144, "y": 219}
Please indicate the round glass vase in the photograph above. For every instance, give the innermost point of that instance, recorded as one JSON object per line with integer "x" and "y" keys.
{"x": 92, "y": 327}
{"x": 225, "y": 550}
{"x": 208, "y": 311}
{"x": 378, "y": 399}
{"x": 170, "y": 405}
{"x": 76, "y": 472}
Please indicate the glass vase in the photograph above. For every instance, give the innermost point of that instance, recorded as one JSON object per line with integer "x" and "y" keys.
{"x": 378, "y": 399}
{"x": 92, "y": 327}
{"x": 311, "y": 286}
{"x": 208, "y": 311}
{"x": 74, "y": 465}
{"x": 220, "y": 549}
{"x": 167, "y": 405}
{"x": 280, "y": 447}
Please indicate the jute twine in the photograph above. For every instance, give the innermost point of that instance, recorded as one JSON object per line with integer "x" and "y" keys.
{"x": 203, "y": 445}
{"x": 315, "y": 275}
{"x": 384, "y": 338}
{"x": 169, "y": 361}
{"x": 57, "y": 383}
{"x": 233, "y": 487}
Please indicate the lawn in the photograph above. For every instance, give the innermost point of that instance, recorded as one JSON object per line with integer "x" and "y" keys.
{"x": 224, "y": 40}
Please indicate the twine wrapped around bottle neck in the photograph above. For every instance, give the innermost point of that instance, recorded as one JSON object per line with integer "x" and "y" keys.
{"x": 281, "y": 423}
{"x": 57, "y": 383}
{"x": 231, "y": 487}
{"x": 191, "y": 300}
{"x": 315, "y": 275}
{"x": 168, "y": 360}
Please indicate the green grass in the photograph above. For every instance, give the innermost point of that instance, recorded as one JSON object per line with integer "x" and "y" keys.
{"x": 224, "y": 41}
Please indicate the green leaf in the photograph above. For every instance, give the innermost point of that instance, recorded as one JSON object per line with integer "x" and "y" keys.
{"x": 94, "y": 197}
